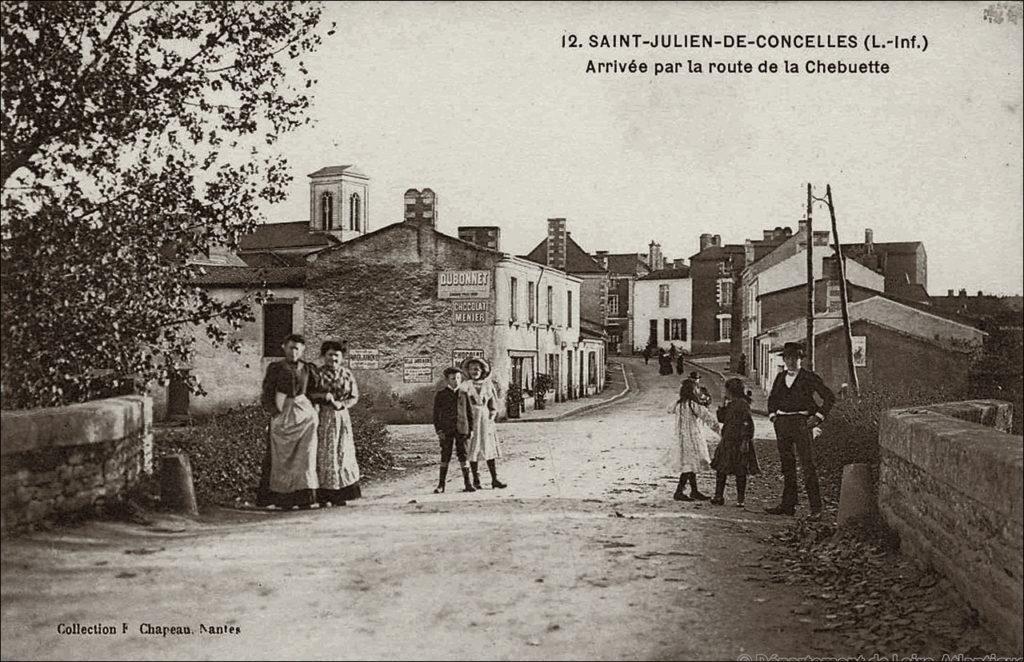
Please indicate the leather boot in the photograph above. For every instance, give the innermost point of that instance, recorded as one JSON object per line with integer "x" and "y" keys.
{"x": 475, "y": 468}
{"x": 495, "y": 483}
{"x": 442, "y": 477}
{"x": 465, "y": 481}
{"x": 679, "y": 496}
{"x": 719, "y": 490}
{"x": 694, "y": 492}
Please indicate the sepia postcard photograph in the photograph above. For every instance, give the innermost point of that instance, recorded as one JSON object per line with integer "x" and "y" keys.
{"x": 573, "y": 330}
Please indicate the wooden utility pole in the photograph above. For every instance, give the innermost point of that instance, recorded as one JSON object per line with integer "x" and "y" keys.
{"x": 809, "y": 353}
{"x": 843, "y": 297}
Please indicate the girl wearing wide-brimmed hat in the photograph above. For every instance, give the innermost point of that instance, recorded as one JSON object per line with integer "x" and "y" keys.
{"x": 483, "y": 409}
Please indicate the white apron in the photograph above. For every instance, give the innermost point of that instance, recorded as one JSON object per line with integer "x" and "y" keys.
{"x": 293, "y": 445}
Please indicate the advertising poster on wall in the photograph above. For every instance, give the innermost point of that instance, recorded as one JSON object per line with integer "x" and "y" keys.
{"x": 860, "y": 351}
{"x": 464, "y": 285}
{"x": 364, "y": 359}
{"x": 417, "y": 370}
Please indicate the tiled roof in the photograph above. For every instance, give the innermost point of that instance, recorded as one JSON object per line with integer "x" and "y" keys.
{"x": 334, "y": 171}
{"x": 252, "y": 276}
{"x": 272, "y": 259}
{"x": 667, "y": 274}
{"x": 275, "y": 236}
{"x": 577, "y": 261}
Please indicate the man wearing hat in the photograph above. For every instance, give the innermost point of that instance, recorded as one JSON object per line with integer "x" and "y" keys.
{"x": 796, "y": 414}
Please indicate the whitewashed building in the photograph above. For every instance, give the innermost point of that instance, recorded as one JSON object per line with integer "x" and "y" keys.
{"x": 662, "y": 309}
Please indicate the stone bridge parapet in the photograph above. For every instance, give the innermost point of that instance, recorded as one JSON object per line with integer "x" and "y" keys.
{"x": 951, "y": 482}
{"x": 73, "y": 459}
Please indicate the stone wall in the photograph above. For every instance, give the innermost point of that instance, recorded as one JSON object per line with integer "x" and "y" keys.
{"x": 951, "y": 482}
{"x": 73, "y": 460}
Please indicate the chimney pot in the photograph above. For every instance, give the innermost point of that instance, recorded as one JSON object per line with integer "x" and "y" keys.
{"x": 949, "y": 293}
{"x": 963, "y": 292}
{"x": 980, "y": 293}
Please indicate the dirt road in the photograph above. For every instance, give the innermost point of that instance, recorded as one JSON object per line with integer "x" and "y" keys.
{"x": 584, "y": 556}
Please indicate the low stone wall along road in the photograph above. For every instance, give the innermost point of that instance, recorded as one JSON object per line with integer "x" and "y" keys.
{"x": 584, "y": 556}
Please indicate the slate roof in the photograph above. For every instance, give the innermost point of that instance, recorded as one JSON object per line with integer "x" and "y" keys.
{"x": 667, "y": 274}
{"x": 276, "y": 236}
{"x": 883, "y": 247}
{"x": 624, "y": 264}
{"x": 252, "y": 276}
{"x": 719, "y": 252}
{"x": 334, "y": 171}
{"x": 912, "y": 291}
{"x": 577, "y": 261}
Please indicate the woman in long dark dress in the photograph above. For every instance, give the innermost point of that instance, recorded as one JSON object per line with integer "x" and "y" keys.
{"x": 336, "y": 392}
{"x": 289, "y": 477}
{"x": 735, "y": 455}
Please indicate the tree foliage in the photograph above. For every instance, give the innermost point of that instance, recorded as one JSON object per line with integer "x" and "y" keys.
{"x": 134, "y": 133}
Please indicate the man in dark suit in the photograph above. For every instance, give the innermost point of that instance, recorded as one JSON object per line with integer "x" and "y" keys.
{"x": 796, "y": 415}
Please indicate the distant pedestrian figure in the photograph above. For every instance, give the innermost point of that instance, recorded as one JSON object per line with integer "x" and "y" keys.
{"x": 335, "y": 392}
{"x": 647, "y": 354}
{"x": 289, "y": 477}
{"x": 690, "y": 452}
{"x": 734, "y": 455}
{"x": 664, "y": 363}
{"x": 679, "y": 364}
{"x": 796, "y": 414}
{"x": 452, "y": 424}
{"x": 672, "y": 352}
{"x": 483, "y": 410}
{"x": 742, "y": 367}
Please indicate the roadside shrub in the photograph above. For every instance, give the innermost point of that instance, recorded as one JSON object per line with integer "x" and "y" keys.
{"x": 850, "y": 433}
{"x": 226, "y": 451}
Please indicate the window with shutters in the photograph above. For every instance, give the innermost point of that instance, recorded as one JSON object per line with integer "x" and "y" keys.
{"x": 677, "y": 329}
{"x": 531, "y": 301}
{"x": 513, "y": 300}
{"x": 663, "y": 296}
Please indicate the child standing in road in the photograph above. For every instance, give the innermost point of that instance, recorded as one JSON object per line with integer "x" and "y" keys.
{"x": 483, "y": 409}
{"x": 690, "y": 453}
{"x": 735, "y": 454}
{"x": 451, "y": 422}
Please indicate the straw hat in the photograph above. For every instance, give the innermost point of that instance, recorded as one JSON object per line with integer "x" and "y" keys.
{"x": 484, "y": 366}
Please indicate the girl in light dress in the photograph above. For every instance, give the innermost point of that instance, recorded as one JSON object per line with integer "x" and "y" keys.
{"x": 690, "y": 453}
{"x": 483, "y": 410}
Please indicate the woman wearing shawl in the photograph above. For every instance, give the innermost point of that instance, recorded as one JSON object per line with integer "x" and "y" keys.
{"x": 483, "y": 409}
{"x": 336, "y": 392}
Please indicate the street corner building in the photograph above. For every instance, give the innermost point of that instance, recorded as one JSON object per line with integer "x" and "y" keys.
{"x": 407, "y": 299}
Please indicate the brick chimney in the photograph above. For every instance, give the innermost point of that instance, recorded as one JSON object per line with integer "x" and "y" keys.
{"x": 679, "y": 263}
{"x": 869, "y": 241}
{"x": 656, "y": 261}
{"x": 706, "y": 241}
{"x": 487, "y": 236}
{"x": 557, "y": 243}
{"x": 748, "y": 252}
{"x": 949, "y": 293}
{"x": 421, "y": 207}
{"x": 718, "y": 240}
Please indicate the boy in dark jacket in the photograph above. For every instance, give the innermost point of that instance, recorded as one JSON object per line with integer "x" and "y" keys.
{"x": 451, "y": 422}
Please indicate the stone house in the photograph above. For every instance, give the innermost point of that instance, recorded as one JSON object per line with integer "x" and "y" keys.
{"x": 410, "y": 301}
{"x": 231, "y": 378}
{"x": 662, "y": 308}
{"x": 896, "y": 343}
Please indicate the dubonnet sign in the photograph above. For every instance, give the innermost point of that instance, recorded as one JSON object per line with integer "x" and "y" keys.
{"x": 364, "y": 359}
{"x": 464, "y": 285}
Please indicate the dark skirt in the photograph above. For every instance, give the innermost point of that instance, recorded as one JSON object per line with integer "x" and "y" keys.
{"x": 347, "y": 493}
{"x": 732, "y": 460}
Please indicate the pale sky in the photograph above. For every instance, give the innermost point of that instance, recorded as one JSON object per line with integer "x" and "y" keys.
{"x": 480, "y": 103}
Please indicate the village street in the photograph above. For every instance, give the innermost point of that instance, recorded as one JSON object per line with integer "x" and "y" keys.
{"x": 584, "y": 556}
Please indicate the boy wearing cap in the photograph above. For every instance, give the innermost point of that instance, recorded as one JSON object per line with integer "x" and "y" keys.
{"x": 451, "y": 422}
{"x": 796, "y": 415}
